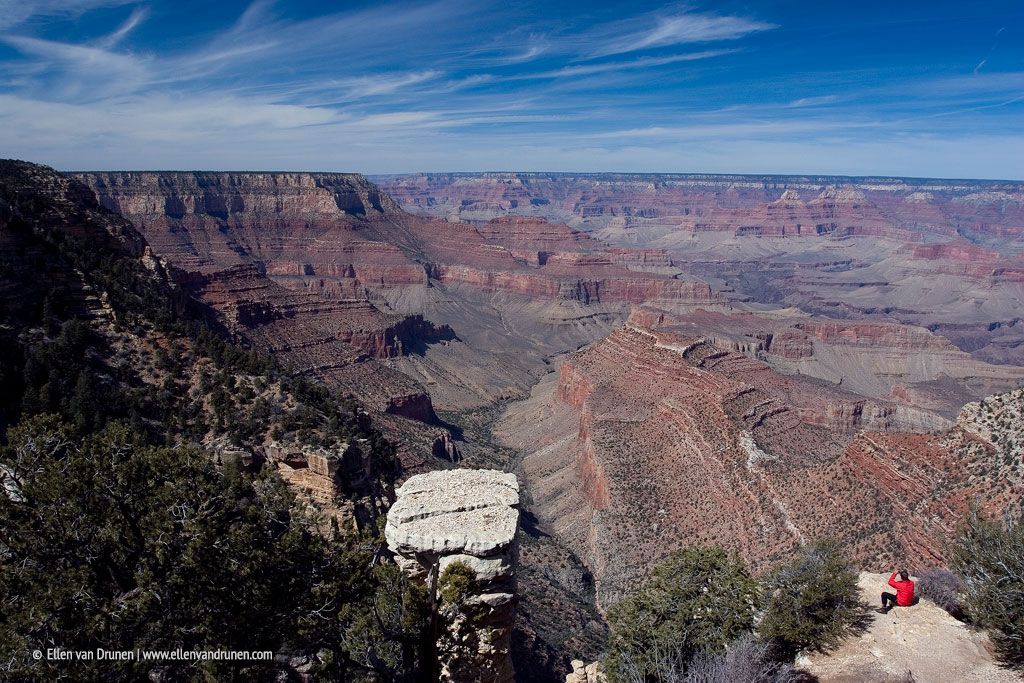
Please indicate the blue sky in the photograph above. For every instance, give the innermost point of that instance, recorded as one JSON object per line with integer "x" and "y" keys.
{"x": 887, "y": 88}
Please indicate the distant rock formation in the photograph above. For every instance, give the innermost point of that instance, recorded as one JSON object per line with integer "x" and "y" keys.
{"x": 325, "y": 272}
{"x": 444, "y": 447}
{"x": 941, "y": 254}
{"x": 469, "y": 517}
{"x": 919, "y": 371}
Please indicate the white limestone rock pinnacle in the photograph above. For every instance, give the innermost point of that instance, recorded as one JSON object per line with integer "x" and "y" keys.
{"x": 454, "y": 512}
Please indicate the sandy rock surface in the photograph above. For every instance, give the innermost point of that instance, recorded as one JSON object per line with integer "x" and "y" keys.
{"x": 923, "y": 640}
{"x": 454, "y": 512}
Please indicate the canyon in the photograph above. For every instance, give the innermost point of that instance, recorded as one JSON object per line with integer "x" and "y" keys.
{"x": 662, "y": 360}
{"x": 942, "y": 254}
{"x": 651, "y": 440}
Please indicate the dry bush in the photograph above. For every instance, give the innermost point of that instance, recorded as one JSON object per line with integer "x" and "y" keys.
{"x": 745, "y": 661}
{"x": 944, "y": 588}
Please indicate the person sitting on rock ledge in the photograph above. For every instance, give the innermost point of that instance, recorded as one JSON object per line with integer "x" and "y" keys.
{"x": 904, "y": 592}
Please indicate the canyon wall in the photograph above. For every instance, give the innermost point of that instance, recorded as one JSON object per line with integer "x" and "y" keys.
{"x": 650, "y": 440}
{"x": 749, "y": 362}
{"x": 739, "y": 204}
{"x": 912, "y": 367}
{"x": 947, "y": 255}
{"x": 326, "y": 272}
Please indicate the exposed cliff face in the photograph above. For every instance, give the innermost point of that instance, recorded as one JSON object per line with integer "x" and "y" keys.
{"x": 302, "y": 196}
{"x": 743, "y": 205}
{"x": 325, "y": 270}
{"x": 650, "y": 440}
{"x": 946, "y": 255}
{"x": 912, "y": 367}
{"x": 693, "y": 423}
{"x": 68, "y": 259}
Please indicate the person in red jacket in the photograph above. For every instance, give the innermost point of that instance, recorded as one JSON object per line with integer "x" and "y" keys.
{"x": 904, "y": 592}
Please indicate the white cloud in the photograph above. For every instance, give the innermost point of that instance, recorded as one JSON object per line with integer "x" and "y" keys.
{"x": 85, "y": 71}
{"x": 15, "y": 12}
{"x": 383, "y": 84}
{"x": 137, "y": 16}
{"x": 814, "y": 101}
{"x": 604, "y": 67}
{"x": 653, "y": 31}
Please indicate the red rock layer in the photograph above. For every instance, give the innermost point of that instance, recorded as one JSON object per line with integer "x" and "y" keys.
{"x": 324, "y": 227}
{"x": 910, "y": 365}
{"x": 293, "y": 262}
{"x": 677, "y": 442}
{"x": 743, "y": 205}
{"x": 939, "y": 254}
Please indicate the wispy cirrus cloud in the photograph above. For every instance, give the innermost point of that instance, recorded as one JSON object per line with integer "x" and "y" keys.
{"x": 15, "y": 12}
{"x": 740, "y": 128}
{"x": 137, "y": 16}
{"x": 436, "y": 84}
{"x": 814, "y": 101}
{"x": 628, "y": 65}
{"x": 667, "y": 29}
{"x": 81, "y": 71}
{"x": 384, "y": 84}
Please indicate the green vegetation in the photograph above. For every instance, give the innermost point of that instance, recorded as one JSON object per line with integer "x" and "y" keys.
{"x": 149, "y": 357}
{"x": 702, "y": 617}
{"x": 699, "y": 598}
{"x": 109, "y": 541}
{"x": 456, "y": 584}
{"x": 989, "y": 557}
{"x": 115, "y": 532}
{"x": 811, "y": 602}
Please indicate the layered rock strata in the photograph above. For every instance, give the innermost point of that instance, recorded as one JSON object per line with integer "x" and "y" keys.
{"x": 907, "y": 365}
{"x": 653, "y": 440}
{"x": 947, "y": 255}
{"x": 467, "y": 517}
{"x": 329, "y": 275}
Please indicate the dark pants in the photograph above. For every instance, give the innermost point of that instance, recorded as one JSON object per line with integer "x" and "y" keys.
{"x": 888, "y": 600}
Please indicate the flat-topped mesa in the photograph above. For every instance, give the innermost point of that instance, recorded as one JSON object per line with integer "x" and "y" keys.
{"x": 220, "y": 194}
{"x": 746, "y": 205}
{"x": 462, "y": 517}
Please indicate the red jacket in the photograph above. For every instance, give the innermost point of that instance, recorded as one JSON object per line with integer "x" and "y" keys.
{"x": 904, "y": 591}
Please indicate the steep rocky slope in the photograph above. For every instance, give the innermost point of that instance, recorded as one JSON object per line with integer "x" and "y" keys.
{"x": 95, "y": 325}
{"x": 777, "y": 396}
{"x": 904, "y": 364}
{"x": 946, "y": 255}
{"x": 327, "y": 272}
{"x": 650, "y": 440}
